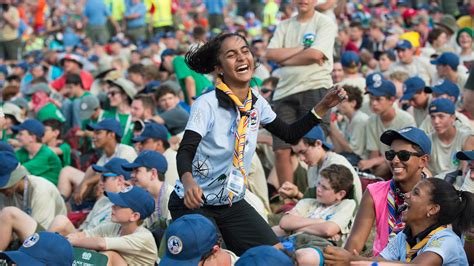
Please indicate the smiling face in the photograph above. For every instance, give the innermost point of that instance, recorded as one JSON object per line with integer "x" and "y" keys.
{"x": 403, "y": 170}
{"x": 419, "y": 205}
{"x": 236, "y": 61}
{"x": 465, "y": 40}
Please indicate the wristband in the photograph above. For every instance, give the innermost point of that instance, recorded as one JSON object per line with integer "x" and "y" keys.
{"x": 315, "y": 114}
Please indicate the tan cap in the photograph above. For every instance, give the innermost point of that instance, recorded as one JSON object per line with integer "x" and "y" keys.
{"x": 13, "y": 110}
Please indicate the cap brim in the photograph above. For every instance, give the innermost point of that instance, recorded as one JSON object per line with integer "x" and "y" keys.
{"x": 94, "y": 127}
{"x": 130, "y": 166}
{"x": 434, "y": 62}
{"x": 428, "y": 89}
{"x": 465, "y": 155}
{"x": 167, "y": 261}
{"x": 21, "y": 258}
{"x": 85, "y": 114}
{"x": 327, "y": 145}
{"x": 16, "y": 129}
{"x": 407, "y": 96}
{"x": 376, "y": 93}
{"x": 116, "y": 199}
{"x": 98, "y": 168}
{"x": 139, "y": 139}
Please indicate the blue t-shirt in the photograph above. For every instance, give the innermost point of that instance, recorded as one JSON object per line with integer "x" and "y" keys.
{"x": 215, "y": 6}
{"x": 445, "y": 243}
{"x": 139, "y": 8}
{"x": 96, "y": 12}
{"x": 213, "y": 160}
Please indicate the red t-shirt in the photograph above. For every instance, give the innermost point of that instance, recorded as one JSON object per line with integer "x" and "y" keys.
{"x": 86, "y": 77}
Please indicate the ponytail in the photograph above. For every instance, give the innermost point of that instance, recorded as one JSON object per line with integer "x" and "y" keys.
{"x": 456, "y": 207}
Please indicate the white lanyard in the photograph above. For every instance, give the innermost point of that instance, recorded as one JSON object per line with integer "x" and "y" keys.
{"x": 128, "y": 125}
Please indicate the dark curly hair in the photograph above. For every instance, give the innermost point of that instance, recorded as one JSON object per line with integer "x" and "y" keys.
{"x": 203, "y": 59}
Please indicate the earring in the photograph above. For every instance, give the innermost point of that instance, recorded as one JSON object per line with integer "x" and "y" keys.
{"x": 428, "y": 215}
{"x": 222, "y": 73}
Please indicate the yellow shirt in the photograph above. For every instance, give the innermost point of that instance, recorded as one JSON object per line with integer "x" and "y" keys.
{"x": 7, "y": 32}
{"x": 117, "y": 8}
{"x": 159, "y": 13}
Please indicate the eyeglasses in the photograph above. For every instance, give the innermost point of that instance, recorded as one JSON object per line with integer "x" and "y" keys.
{"x": 402, "y": 155}
{"x": 266, "y": 90}
{"x": 113, "y": 93}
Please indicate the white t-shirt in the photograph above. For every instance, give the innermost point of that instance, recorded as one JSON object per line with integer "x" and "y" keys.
{"x": 289, "y": 34}
{"x": 121, "y": 151}
{"x": 171, "y": 174}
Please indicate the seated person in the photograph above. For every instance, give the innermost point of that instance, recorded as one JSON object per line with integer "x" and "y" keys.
{"x": 52, "y": 138}
{"x": 107, "y": 137}
{"x": 123, "y": 241}
{"x": 13, "y": 117}
{"x": 38, "y": 249}
{"x": 329, "y": 214}
{"x": 385, "y": 116}
{"x": 113, "y": 179}
{"x": 449, "y": 90}
{"x": 28, "y": 203}
{"x": 436, "y": 214}
{"x": 38, "y": 158}
{"x": 170, "y": 114}
{"x": 467, "y": 156}
{"x": 187, "y": 233}
{"x": 316, "y": 153}
{"x": 446, "y": 140}
{"x": 148, "y": 172}
{"x": 408, "y": 154}
{"x": 418, "y": 96}
{"x": 348, "y": 137}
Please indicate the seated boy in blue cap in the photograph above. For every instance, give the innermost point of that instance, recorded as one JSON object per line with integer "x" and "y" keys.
{"x": 418, "y": 96}
{"x": 385, "y": 116}
{"x": 28, "y": 203}
{"x": 449, "y": 90}
{"x": 124, "y": 241}
{"x": 317, "y": 154}
{"x": 113, "y": 179}
{"x": 43, "y": 248}
{"x": 148, "y": 172}
{"x": 107, "y": 134}
{"x": 35, "y": 156}
{"x": 446, "y": 140}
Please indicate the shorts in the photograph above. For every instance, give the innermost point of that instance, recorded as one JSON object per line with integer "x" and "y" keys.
{"x": 293, "y": 107}
{"x": 241, "y": 226}
{"x": 10, "y": 50}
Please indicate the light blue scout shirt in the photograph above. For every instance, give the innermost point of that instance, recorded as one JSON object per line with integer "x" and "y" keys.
{"x": 96, "y": 12}
{"x": 139, "y": 8}
{"x": 445, "y": 243}
{"x": 213, "y": 160}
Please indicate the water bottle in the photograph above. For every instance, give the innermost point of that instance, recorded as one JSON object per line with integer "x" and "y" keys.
{"x": 288, "y": 245}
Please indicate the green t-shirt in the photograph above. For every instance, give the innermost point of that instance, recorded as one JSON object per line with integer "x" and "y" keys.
{"x": 6, "y": 136}
{"x": 125, "y": 123}
{"x": 183, "y": 71}
{"x": 66, "y": 156}
{"x": 83, "y": 95}
{"x": 50, "y": 111}
{"x": 45, "y": 163}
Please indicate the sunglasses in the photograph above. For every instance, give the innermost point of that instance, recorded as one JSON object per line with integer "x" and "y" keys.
{"x": 266, "y": 90}
{"x": 402, "y": 155}
{"x": 113, "y": 93}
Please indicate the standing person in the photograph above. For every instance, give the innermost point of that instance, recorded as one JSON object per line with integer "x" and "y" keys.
{"x": 10, "y": 41}
{"x": 303, "y": 47}
{"x": 216, "y": 11}
{"x": 96, "y": 14}
{"x": 211, "y": 162}
{"x": 135, "y": 15}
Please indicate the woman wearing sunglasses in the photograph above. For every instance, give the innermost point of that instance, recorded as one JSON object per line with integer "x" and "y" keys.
{"x": 407, "y": 157}
{"x": 436, "y": 215}
{"x": 220, "y": 140}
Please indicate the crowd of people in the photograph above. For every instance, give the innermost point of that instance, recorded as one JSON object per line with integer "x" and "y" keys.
{"x": 237, "y": 132}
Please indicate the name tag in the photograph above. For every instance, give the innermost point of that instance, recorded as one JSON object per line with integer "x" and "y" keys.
{"x": 235, "y": 183}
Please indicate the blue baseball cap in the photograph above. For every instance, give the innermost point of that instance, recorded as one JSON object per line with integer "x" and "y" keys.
{"x": 148, "y": 159}
{"x": 8, "y": 163}
{"x": 403, "y": 45}
{"x": 411, "y": 134}
{"x": 465, "y": 155}
{"x": 382, "y": 88}
{"x": 350, "y": 59}
{"x": 447, "y": 58}
{"x": 372, "y": 78}
{"x": 152, "y": 131}
{"x": 413, "y": 86}
{"x": 316, "y": 133}
{"x": 187, "y": 239}
{"x": 442, "y": 105}
{"x": 4, "y": 70}
{"x": 264, "y": 256}
{"x": 107, "y": 124}
{"x": 113, "y": 166}
{"x": 33, "y": 126}
{"x": 446, "y": 87}
{"x": 135, "y": 198}
{"x": 41, "y": 249}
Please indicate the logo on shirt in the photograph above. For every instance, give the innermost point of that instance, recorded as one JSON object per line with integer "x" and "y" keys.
{"x": 31, "y": 240}
{"x": 308, "y": 39}
{"x": 175, "y": 245}
{"x": 253, "y": 119}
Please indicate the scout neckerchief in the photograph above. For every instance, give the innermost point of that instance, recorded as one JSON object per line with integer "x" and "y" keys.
{"x": 395, "y": 223}
{"x": 241, "y": 132}
{"x": 411, "y": 251}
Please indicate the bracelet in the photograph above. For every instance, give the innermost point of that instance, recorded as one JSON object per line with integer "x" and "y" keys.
{"x": 468, "y": 240}
{"x": 315, "y": 114}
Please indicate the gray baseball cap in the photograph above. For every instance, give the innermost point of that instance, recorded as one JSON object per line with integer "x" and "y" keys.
{"x": 37, "y": 87}
{"x": 87, "y": 106}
